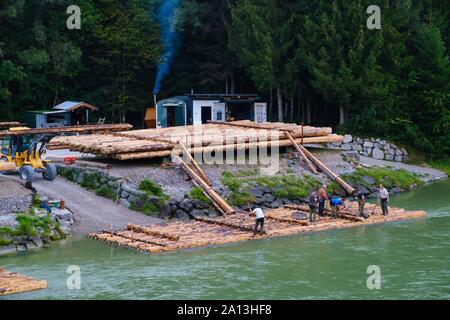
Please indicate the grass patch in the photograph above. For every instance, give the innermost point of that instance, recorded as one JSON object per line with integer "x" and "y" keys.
{"x": 151, "y": 188}
{"x": 197, "y": 194}
{"x": 241, "y": 198}
{"x": 35, "y": 201}
{"x": 388, "y": 177}
{"x": 106, "y": 192}
{"x": 29, "y": 225}
{"x": 443, "y": 165}
{"x": 286, "y": 186}
{"x": 7, "y": 230}
{"x": 4, "y": 242}
{"x": 231, "y": 181}
{"x": 90, "y": 181}
{"x": 68, "y": 173}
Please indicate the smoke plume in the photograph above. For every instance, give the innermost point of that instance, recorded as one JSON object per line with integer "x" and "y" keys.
{"x": 169, "y": 36}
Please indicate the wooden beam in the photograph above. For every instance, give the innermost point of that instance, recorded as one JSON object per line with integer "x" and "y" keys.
{"x": 225, "y": 224}
{"x": 140, "y": 229}
{"x": 226, "y": 208}
{"x": 348, "y": 188}
{"x": 223, "y": 148}
{"x": 310, "y": 165}
{"x": 195, "y": 165}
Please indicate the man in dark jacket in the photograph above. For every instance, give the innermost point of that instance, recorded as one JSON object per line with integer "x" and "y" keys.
{"x": 313, "y": 203}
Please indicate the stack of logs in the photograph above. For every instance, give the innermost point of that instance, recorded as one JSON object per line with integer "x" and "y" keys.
{"x": 212, "y": 137}
{"x": 7, "y": 125}
{"x": 86, "y": 129}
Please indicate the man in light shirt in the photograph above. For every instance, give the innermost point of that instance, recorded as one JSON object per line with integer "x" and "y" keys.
{"x": 384, "y": 198}
{"x": 259, "y": 220}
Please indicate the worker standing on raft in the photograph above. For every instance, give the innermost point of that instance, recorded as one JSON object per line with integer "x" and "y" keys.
{"x": 322, "y": 198}
{"x": 361, "y": 204}
{"x": 313, "y": 202}
{"x": 384, "y": 198}
{"x": 259, "y": 220}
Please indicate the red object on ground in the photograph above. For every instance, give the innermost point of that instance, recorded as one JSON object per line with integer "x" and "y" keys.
{"x": 62, "y": 204}
{"x": 69, "y": 160}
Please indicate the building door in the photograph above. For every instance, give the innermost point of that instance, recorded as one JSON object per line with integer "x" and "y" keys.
{"x": 206, "y": 114}
{"x": 171, "y": 116}
{"x": 261, "y": 112}
{"x": 219, "y": 112}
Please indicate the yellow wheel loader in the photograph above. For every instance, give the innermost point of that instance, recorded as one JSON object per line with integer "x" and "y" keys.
{"x": 23, "y": 153}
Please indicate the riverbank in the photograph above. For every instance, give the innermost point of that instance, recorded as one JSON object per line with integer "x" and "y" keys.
{"x": 164, "y": 191}
{"x": 412, "y": 256}
{"x": 30, "y": 221}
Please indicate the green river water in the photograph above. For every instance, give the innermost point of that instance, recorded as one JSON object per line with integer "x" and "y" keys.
{"x": 414, "y": 258}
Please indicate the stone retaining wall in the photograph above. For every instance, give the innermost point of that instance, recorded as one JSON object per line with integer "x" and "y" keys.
{"x": 128, "y": 195}
{"x": 373, "y": 148}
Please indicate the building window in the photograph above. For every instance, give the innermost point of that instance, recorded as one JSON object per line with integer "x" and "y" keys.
{"x": 219, "y": 116}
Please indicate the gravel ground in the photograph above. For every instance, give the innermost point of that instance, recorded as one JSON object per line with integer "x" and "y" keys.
{"x": 14, "y": 198}
{"x": 92, "y": 213}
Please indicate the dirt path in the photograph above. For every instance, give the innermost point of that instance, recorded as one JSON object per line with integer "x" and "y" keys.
{"x": 92, "y": 213}
{"x": 433, "y": 173}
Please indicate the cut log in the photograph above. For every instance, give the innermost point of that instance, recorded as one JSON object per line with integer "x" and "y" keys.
{"x": 136, "y": 228}
{"x": 136, "y": 239}
{"x": 344, "y": 214}
{"x": 226, "y": 208}
{"x": 223, "y": 148}
{"x": 195, "y": 165}
{"x": 74, "y": 129}
{"x": 347, "y": 187}
{"x": 310, "y": 165}
{"x": 225, "y": 224}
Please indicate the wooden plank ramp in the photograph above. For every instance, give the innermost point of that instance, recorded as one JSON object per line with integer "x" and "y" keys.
{"x": 13, "y": 283}
{"x": 238, "y": 227}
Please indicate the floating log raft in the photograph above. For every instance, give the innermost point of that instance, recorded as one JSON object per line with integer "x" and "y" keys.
{"x": 212, "y": 137}
{"x": 74, "y": 129}
{"x": 12, "y": 283}
{"x": 236, "y": 228}
{"x": 343, "y": 214}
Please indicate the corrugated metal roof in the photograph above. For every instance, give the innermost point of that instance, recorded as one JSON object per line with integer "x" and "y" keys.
{"x": 72, "y": 105}
{"x": 67, "y": 105}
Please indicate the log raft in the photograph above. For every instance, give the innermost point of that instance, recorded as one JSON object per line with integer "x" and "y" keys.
{"x": 203, "y": 232}
{"x": 13, "y": 283}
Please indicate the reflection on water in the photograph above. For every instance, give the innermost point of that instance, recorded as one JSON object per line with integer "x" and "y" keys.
{"x": 412, "y": 255}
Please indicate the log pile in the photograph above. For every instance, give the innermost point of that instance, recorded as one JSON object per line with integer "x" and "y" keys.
{"x": 12, "y": 283}
{"x": 235, "y": 228}
{"x": 74, "y": 129}
{"x": 211, "y": 137}
{"x": 7, "y": 125}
